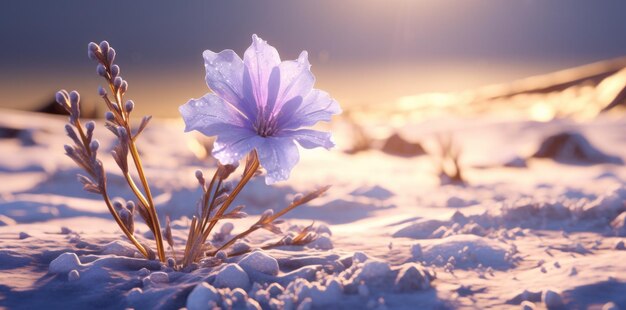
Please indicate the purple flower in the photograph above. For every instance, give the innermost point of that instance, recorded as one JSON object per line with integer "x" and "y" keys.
{"x": 260, "y": 103}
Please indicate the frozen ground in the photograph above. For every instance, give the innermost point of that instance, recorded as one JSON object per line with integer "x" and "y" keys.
{"x": 547, "y": 235}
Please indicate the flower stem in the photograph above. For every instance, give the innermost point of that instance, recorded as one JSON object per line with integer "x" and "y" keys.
{"x": 150, "y": 204}
{"x": 117, "y": 218}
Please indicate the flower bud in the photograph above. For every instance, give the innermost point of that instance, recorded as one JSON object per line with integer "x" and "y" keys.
{"x": 94, "y": 145}
{"x": 297, "y": 197}
{"x": 267, "y": 213}
{"x": 69, "y": 150}
{"x": 61, "y": 97}
{"x": 92, "y": 49}
{"x": 117, "y": 82}
{"x": 104, "y": 46}
{"x": 109, "y": 116}
{"x": 101, "y": 70}
{"x": 101, "y": 91}
{"x": 200, "y": 177}
{"x": 130, "y": 205}
{"x": 111, "y": 55}
{"x": 117, "y": 205}
{"x": 74, "y": 97}
{"x": 124, "y": 87}
{"x": 121, "y": 131}
{"x": 91, "y": 125}
{"x": 115, "y": 70}
{"x": 129, "y": 106}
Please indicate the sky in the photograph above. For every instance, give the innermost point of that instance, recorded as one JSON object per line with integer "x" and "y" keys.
{"x": 40, "y": 39}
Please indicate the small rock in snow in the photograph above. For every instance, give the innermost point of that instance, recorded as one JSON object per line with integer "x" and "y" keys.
{"x": 455, "y": 202}
{"x": 24, "y": 235}
{"x": 376, "y": 192}
{"x": 323, "y": 229}
{"x": 232, "y": 276}
{"x": 65, "y": 263}
{"x": 322, "y": 242}
{"x": 620, "y": 245}
{"x": 374, "y": 270}
{"x": 159, "y": 277}
{"x": 516, "y": 162}
{"x": 359, "y": 257}
{"x": 65, "y": 230}
{"x": 143, "y": 272}
{"x": 73, "y": 275}
{"x": 201, "y": 295}
{"x": 261, "y": 262}
{"x": 552, "y": 299}
{"x": 411, "y": 277}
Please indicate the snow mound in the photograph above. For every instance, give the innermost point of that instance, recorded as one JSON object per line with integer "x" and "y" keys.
{"x": 259, "y": 261}
{"x": 398, "y": 146}
{"x": 232, "y": 276}
{"x": 64, "y": 263}
{"x": 467, "y": 251}
{"x": 552, "y": 299}
{"x": 322, "y": 242}
{"x": 119, "y": 248}
{"x": 375, "y": 192}
{"x": 422, "y": 229}
{"x": 573, "y": 148}
{"x": 201, "y": 295}
{"x": 412, "y": 277}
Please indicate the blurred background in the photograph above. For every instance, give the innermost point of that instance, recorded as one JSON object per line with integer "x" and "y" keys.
{"x": 368, "y": 54}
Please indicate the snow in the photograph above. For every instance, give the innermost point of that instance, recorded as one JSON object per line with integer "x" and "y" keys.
{"x": 552, "y": 299}
{"x": 536, "y": 236}
{"x": 232, "y": 276}
{"x": 65, "y": 263}
{"x": 261, "y": 262}
{"x": 201, "y": 295}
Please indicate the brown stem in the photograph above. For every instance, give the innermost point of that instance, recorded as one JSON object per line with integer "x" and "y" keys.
{"x": 244, "y": 180}
{"x": 151, "y": 209}
{"x": 117, "y": 218}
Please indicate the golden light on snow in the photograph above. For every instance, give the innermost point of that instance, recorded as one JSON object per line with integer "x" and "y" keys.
{"x": 541, "y": 112}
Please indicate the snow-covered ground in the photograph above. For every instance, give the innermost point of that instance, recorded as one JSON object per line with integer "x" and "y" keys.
{"x": 544, "y": 233}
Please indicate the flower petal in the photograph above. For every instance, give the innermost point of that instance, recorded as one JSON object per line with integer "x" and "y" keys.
{"x": 296, "y": 80}
{"x": 235, "y": 143}
{"x": 210, "y": 115}
{"x": 224, "y": 75}
{"x": 278, "y": 156}
{"x": 309, "y": 139}
{"x": 260, "y": 59}
{"x": 317, "y": 106}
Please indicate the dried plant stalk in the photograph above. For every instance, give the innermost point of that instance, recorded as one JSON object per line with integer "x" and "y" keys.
{"x": 215, "y": 203}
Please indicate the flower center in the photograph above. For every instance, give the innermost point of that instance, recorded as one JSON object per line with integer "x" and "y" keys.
{"x": 266, "y": 125}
